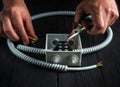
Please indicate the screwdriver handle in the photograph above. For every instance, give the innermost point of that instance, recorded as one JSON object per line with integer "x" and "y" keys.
{"x": 86, "y": 21}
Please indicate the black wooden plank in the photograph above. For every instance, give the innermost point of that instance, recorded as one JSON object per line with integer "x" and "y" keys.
{"x": 110, "y": 56}
{"x": 17, "y": 73}
{"x": 27, "y": 75}
{"x": 92, "y": 78}
{"x": 6, "y": 64}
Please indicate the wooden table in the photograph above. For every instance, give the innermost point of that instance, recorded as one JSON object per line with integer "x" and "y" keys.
{"x": 17, "y": 73}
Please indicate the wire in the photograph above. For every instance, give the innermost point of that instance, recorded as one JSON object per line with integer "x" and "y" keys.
{"x": 73, "y": 26}
{"x": 32, "y": 38}
{"x": 75, "y": 33}
{"x": 99, "y": 64}
{"x": 57, "y": 66}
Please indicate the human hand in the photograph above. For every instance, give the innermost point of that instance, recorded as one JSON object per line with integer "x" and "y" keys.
{"x": 15, "y": 21}
{"x": 104, "y": 13}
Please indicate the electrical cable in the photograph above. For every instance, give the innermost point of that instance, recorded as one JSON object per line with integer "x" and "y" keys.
{"x": 43, "y": 51}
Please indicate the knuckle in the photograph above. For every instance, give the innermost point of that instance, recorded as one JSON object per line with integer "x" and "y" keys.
{"x": 101, "y": 26}
{"x": 116, "y": 15}
{"x": 9, "y": 11}
{"x": 7, "y": 31}
{"x": 13, "y": 11}
{"x": 96, "y": 9}
{"x": 109, "y": 10}
{"x": 16, "y": 25}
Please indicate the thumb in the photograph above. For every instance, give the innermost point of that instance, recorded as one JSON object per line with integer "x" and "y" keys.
{"x": 78, "y": 14}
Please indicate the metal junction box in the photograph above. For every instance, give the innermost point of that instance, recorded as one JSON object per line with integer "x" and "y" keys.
{"x": 58, "y": 51}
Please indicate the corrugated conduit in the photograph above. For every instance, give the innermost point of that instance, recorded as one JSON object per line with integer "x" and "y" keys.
{"x": 43, "y": 64}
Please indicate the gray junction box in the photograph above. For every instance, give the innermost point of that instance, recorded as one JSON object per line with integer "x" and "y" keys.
{"x": 59, "y": 52}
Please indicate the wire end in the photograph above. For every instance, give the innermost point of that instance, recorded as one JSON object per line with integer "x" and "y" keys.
{"x": 32, "y": 38}
{"x": 99, "y": 64}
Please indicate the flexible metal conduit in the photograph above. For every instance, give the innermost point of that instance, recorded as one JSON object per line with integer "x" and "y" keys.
{"x": 43, "y": 51}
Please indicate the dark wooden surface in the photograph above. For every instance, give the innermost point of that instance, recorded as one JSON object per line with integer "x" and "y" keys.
{"x": 17, "y": 73}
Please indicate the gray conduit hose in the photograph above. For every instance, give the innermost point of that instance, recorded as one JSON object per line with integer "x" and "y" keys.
{"x": 84, "y": 50}
{"x": 43, "y": 51}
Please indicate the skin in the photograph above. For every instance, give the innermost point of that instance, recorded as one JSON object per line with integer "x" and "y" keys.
{"x": 15, "y": 20}
{"x": 104, "y": 13}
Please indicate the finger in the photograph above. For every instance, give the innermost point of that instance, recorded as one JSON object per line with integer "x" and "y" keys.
{"x": 110, "y": 19}
{"x": 115, "y": 14}
{"x": 29, "y": 28}
{"x": 8, "y": 29}
{"x": 99, "y": 25}
{"x": 113, "y": 17}
{"x": 77, "y": 15}
{"x": 20, "y": 29}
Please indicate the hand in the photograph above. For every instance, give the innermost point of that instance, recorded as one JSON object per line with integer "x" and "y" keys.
{"x": 104, "y": 13}
{"x": 15, "y": 21}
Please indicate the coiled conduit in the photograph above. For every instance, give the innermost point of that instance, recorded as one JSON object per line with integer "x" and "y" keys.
{"x": 43, "y": 51}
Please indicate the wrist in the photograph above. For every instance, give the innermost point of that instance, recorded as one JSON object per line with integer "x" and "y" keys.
{"x": 8, "y": 3}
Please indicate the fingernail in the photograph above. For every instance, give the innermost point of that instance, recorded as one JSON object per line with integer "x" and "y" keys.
{"x": 25, "y": 43}
{"x": 36, "y": 37}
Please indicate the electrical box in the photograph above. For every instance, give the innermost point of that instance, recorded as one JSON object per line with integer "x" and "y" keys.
{"x": 59, "y": 51}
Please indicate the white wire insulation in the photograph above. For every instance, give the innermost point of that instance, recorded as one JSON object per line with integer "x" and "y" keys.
{"x": 76, "y": 32}
{"x": 43, "y": 51}
{"x": 81, "y": 68}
